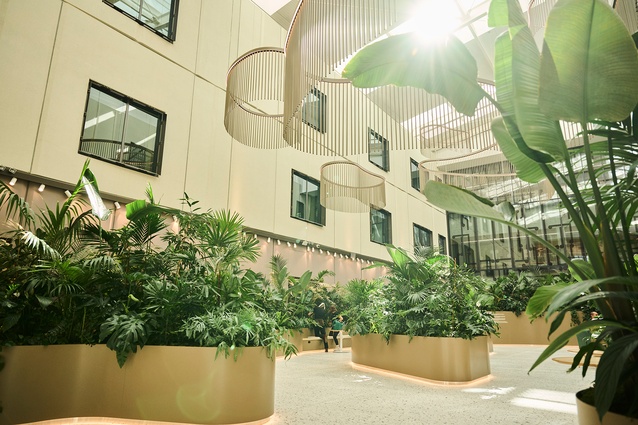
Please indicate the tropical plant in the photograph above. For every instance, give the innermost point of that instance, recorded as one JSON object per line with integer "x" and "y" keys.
{"x": 429, "y": 295}
{"x": 64, "y": 279}
{"x": 585, "y": 75}
{"x": 366, "y": 306}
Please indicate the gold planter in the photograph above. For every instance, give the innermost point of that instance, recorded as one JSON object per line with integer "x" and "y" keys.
{"x": 587, "y": 414}
{"x": 518, "y": 329}
{"x": 439, "y": 359}
{"x": 158, "y": 383}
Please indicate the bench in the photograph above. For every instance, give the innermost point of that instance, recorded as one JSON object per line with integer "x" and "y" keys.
{"x": 315, "y": 339}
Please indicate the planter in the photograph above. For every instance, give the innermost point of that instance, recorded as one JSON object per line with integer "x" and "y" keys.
{"x": 587, "y": 414}
{"x": 518, "y": 329}
{"x": 158, "y": 383}
{"x": 439, "y": 359}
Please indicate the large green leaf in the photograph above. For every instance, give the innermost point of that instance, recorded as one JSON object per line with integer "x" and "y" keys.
{"x": 542, "y": 298}
{"x": 588, "y": 65}
{"x": 526, "y": 168}
{"x": 517, "y": 86}
{"x": 610, "y": 369}
{"x": 444, "y": 67}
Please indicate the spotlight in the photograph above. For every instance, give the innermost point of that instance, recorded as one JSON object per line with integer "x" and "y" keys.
{"x": 313, "y": 249}
{"x": 255, "y": 236}
{"x": 308, "y": 248}
{"x": 268, "y": 240}
{"x": 294, "y": 245}
{"x": 334, "y": 255}
{"x": 13, "y": 181}
{"x": 67, "y": 193}
{"x": 41, "y": 188}
{"x": 117, "y": 205}
{"x": 340, "y": 255}
{"x": 289, "y": 244}
{"x": 278, "y": 242}
{"x": 320, "y": 251}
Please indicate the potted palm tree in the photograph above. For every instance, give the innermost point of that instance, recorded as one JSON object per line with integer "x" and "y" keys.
{"x": 585, "y": 74}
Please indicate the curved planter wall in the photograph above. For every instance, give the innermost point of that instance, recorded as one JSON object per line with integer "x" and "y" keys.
{"x": 172, "y": 384}
{"x": 439, "y": 359}
{"x": 518, "y": 329}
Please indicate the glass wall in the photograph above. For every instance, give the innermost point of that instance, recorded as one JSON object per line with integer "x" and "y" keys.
{"x": 493, "y": 249}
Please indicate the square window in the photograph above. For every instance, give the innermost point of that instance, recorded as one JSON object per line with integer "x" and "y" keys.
{"x": 122, "y": 130}
{"x": 380, "y": 226}
{"x": 160, "y": 16}
{"x": 313, "y": 110}
{"x": 414, "y": 175}
{"x": 378, "y": 150}
{"x": 422, "y": 236}
{"x": 305, "y": 204}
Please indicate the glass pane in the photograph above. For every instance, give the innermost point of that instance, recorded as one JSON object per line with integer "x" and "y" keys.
{"x": 442, "y": 245}
{"x": 313, "y": 207}
{"x": 157, "y": 15}
{"x": 103, "y": 126}
{"x": 298, "y": 203}
{"x": 379, "y": 226}
{"x": 313, "y": 111}
{"x": 140, "y": 139}
{"x": 414, "y": 175}
{"x": 377, "y": 150}
{"x": 130, "y": 7}
{"x": 422, "y": 236}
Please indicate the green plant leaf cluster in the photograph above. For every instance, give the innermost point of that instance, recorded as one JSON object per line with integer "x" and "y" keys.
{"x": 585, "y": 74}
{"x": 65, "y": 280}
{"x": 426, "y": 295}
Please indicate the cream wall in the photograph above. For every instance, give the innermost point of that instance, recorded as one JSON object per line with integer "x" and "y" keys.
{"x": 51, "y": 49}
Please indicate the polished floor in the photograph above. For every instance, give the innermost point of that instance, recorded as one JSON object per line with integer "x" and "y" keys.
{"x": 326, "y": 388}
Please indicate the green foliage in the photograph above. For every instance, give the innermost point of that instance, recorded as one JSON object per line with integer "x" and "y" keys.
{"x": 426, "y": 295}
{"x": 366, "y": 306}
{"x": 585, "y": 74}
{"x": 513, "y": 292}
{"x": 66, "y": 280}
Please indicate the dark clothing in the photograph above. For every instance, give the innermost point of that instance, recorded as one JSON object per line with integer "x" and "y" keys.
{"x": 320, "y": 330}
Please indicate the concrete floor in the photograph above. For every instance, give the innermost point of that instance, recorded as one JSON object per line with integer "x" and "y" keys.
{"x": 326, "y": 388}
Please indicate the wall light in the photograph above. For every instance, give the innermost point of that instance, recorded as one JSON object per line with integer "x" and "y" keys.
{"x": 13, "y": 181}
{"x": 294, "y": 245}
{"x": 268, "y": 240}
{"x": 340, "y": 255}
{"x": 289, "y": 244}
{"x": 334, "y": 255}
{"x": 278, "y": 242}
{"x": 41, "y": 188}
{"x": 117, "y": 205}
{"x": 68, "y": 193}
{"x": 320, "y": 251}
{"x": 308, "y": 248}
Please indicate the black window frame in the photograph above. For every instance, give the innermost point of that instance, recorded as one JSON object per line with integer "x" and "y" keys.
{"x": 160, "y": 133}
{"x": 415, "y": 164}
{"x": 429, "y": 235}
{"x": 293, "y": 207}
{"x": 442, "y": 245}
{"x": 321, "y": 113}
{"x": 385, "y": 156}
{"x": 388, "y": 219}
{"x": 172, "y": 25}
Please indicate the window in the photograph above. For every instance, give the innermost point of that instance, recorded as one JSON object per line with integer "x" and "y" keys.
{"x": 159, "y": 16}
{"x": 313, "y": 111}
{"x": 442, "y": 245}
{"x": 122, "y": 130}
{"x": 414, "y": 175}
{"x": 305, "y": 204}
{"x": 380, "y": 226}
{"x": 378, "y": 150}
{"x": 422, "y": 236}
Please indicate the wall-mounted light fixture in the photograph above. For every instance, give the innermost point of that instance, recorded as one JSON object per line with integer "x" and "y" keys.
{"x": 268, "y": 240}
{"x": 13, "y": 181}
{"x": 294, "y": 245}
{"x": 117, "y": 205}
{"x": 278, "y": 242}
{"x": 42, "y": 187}
{"x": 288, "y": 244}
{"x": 68, "y": 193}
